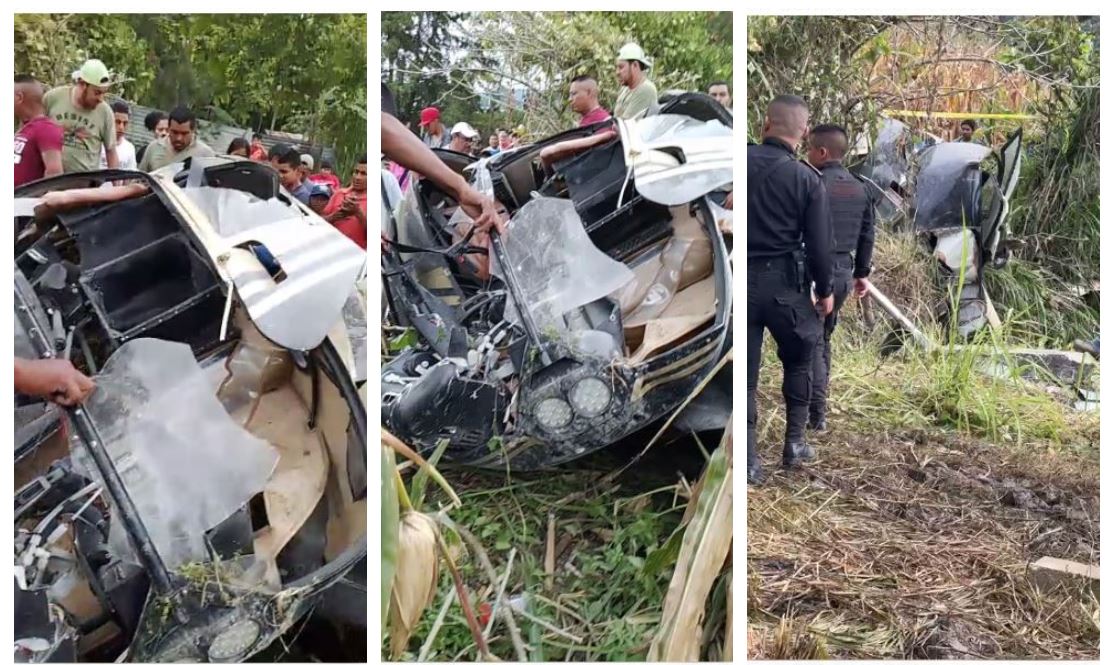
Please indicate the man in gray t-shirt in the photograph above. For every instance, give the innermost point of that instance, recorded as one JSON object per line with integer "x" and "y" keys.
{"x": 434, "y": 132}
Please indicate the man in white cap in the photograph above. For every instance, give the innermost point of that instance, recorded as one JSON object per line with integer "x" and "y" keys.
{"x": 638, "y": 93}
{"x": 462, "y": 136}
{"x": 307, "y": 167}
{"x": 85, "y": 118}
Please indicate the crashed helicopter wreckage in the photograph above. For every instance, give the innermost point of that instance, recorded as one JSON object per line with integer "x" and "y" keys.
{"x": 609, "y": 299}
{"x": 212, "y": 491}
{"x": 957, "y": 196}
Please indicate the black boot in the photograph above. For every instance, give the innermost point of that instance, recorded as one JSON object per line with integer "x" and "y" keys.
{"x": 754, "y": 474}
{"x": 817, "y": 421}
{"x": 796, "y": 449}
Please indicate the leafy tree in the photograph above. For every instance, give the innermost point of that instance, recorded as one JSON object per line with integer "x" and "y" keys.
{"x": 302, "y": 73}
{"x": 497, "y": 69}
{"x": 415, "y": 49}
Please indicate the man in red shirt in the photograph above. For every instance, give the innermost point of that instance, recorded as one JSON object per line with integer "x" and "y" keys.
{"x": 584, "y": 100}
{"x": 326, "y": 175}
{"x": 38, "y": 143}
{"x": 257, "y": 149}
{"x": 347, "y": 208}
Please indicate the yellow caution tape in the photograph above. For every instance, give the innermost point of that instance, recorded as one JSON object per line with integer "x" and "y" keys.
{"x": 959, "y": 116}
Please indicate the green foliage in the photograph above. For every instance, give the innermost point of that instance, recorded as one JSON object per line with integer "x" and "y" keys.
{"x": 1056, "y": 209}
{"x": 609, "y": 540}
{"x": 1043, "y": 310}
{"x": 415, "y": 47}
{"x": 303, "y": 73}
{"x": 825, "y": 59}
{"x": 1057, "y": 204}
{"x": 52, "y": 46}
{"x": 451, "y": 59}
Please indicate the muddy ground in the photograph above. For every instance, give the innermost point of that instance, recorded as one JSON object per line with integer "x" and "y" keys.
{"x": 917, "y": 546}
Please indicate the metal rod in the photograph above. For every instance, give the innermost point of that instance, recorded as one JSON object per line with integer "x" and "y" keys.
{"x": 884, "y": 303}
{"x": 90, "y": 439}
{"x": 513, "y": 287}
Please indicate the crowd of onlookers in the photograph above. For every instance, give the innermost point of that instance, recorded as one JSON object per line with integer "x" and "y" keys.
{"x": 636, "y": 96}
{"x": 74, "y": 128}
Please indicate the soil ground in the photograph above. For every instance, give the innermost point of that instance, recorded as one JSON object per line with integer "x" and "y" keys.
{"x": 916, "y": 545}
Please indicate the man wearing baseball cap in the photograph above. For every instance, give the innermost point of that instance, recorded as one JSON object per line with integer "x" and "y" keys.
{"x": 434, "y": 133}
{"x": 462, "y": 136}
{"x": 319, "y": 196}
{"x": 307, "y": 167}
{"x": 638, "y": 93}
{"x": 85, "y": 118}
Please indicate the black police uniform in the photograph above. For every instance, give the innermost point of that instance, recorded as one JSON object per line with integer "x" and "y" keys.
{"x": 852, "y": 227}
{"x": 788, "y": 246}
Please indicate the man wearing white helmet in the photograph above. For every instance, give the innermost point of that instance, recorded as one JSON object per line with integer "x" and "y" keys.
{"x": 85, "y": 118}
{"x": 638, "y": 93}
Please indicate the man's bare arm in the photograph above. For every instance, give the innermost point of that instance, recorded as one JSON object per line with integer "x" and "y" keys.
{"x": 75, "y": 198}
{"x": 113, "y": 158}
{"x": 52, "y": 160}
{"x": 405, "y": 148}
{"x": 563, "y": 149}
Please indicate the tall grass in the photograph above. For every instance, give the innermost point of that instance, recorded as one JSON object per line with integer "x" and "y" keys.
{"x": 974, "y": 388}
{"x": 1041, "y": 307}
{"x": 1056, "y": 207}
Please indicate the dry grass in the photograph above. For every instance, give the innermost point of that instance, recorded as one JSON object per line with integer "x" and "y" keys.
{"x": 916, "y": 547}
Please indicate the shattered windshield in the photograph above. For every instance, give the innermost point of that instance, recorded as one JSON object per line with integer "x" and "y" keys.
{"x": 186, "y": 464}
{"x": 887, "y": 163}
{"x": 556, "y": 264}
{"x": 948, "y": 185}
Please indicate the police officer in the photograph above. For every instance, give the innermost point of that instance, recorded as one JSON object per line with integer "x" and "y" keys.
{"x": 852, "y": 229}
{"x": 788, "y": 248}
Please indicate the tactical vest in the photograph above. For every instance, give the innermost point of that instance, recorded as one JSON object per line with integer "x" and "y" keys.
{"x": 847, "y": 198}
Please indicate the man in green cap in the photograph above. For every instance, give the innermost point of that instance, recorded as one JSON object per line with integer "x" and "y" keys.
{"x": 85, "y": 118}
{"x": 638, "y": 93}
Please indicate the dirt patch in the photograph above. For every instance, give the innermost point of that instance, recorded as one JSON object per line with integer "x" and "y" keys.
{"x": 917, "y": 547}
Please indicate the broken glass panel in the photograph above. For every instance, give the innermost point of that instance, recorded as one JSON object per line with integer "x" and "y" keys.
{"x": 555, "y": 262}
{"x": 185, "y": 463}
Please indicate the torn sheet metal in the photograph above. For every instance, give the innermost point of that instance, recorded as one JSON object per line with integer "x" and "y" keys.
{"x": 947, "y": 185}
{"x": 319, "y": 264}
{"x": 357, "y": 331}
{"x": 675, "y": 158}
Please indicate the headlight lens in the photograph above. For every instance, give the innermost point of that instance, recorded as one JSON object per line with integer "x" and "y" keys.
{"x": 590, "y": 397}
{"x": 233, "y": 643}
{"x": 553, "y": 413}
